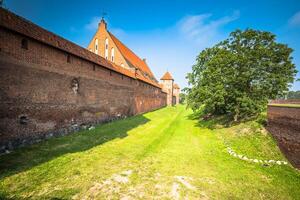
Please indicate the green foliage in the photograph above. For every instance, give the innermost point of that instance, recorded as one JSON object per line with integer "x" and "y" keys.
{"x": 182, "y": 98}
{"x": 262, "y": 118}
{"x": 293, "y": 95}
{"x": 240, "y": 74}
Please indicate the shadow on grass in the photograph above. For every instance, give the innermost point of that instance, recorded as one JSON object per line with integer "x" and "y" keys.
{"x": 210, "y": 121}
{"x": 222, "y": 121}
{"x": 27, "y": 157}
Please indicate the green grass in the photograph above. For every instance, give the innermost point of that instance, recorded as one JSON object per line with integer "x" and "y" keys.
{"x": 157, "y": 147}
{"x": 286, "y": 105}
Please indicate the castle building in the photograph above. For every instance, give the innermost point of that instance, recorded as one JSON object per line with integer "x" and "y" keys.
{"x": 172, "y": 89}
{"x": 106, "y": 45}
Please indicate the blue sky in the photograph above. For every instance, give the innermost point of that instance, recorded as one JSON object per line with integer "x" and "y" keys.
{"x": 169, "y": 34}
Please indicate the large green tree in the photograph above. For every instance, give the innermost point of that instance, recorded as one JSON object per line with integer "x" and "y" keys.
{"x": 182, "y": 97}
{"x": 240, "y": 74}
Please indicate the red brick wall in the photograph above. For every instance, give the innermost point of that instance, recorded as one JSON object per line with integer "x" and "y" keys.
{"x": 37, "y": 83}
{"x": 284, "y": 124}
{"x": 287, "y": 101}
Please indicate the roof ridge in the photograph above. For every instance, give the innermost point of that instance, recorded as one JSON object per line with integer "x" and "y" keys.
{"x": 147, "y": 68}
{"x": 123, "y": 44}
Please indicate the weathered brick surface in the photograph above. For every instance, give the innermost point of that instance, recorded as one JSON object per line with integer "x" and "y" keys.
{"x": 37, "y": 84}
{"x": 284, "y": 124}
{"x": 287, "y": 101}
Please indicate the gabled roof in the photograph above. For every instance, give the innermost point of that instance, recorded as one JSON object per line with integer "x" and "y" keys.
{"x": 131, "y": 57}
{"x": 167, "y": 76}
{"x": 176, "y": 86}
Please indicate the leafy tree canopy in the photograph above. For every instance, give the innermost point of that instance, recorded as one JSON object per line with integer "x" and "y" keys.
{"x": 182, "y": 97}
{"x": 240, "y": 74}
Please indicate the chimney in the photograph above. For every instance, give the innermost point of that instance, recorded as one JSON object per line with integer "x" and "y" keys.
{"x": 102, "y": 24}
{"x": 144, "y": 59}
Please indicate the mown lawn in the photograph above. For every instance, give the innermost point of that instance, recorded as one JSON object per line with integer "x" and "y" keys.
{"x": 165, "y": 154}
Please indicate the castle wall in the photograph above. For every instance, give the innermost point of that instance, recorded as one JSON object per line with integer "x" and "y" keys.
{"x": 284, "y": 125}
{"x": 168, "y": 88}
{"x": 176, "y": 92}
{"x": 46, "y": 91}
{"x": 285, "y": 101}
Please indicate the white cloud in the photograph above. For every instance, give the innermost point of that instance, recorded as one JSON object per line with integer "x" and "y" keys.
{"x": 93, "y": 24}
{"x": 204, "y": 30}
{"x": 295, "y": 19}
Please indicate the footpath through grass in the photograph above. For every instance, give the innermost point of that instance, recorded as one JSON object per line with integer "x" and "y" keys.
{"x": 165, "y": 154}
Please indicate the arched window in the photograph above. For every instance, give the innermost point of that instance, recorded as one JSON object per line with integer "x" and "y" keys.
{"x": 96, "y": 46}
{"x": 106, "y": 48}
{"x": 112, "y": 54}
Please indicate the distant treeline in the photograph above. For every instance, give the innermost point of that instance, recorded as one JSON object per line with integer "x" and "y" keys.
{"x": 293, "y": 95}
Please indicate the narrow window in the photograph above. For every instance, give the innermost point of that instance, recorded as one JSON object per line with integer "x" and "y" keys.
{"x": 96, "y": 46}
{"x": 68, "y": 58}
{"x": 106, "y": 43}
{"x": 110, "y": 73}
{"x": 24, "y": 44}
{"x": 112, "y": 54}
{"x": 94, "y": 67}
{"x": 106, "y": 48}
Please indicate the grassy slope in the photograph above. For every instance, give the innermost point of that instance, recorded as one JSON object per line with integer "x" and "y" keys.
{"x": 157, "y": 146}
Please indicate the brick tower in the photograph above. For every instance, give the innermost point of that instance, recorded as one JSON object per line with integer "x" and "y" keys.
{"x": 176, "y": 91}
{"x": 167, "y": 85}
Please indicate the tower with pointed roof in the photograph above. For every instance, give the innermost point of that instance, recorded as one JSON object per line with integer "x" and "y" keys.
{"x": 172, "y": 89}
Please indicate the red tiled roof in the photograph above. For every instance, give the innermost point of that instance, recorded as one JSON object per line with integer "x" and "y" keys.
{"x": 176, "y": 86}
{"x": 167, "y": 76}
{"x": 22, "y": 26}
{"x": 131, "y": 56}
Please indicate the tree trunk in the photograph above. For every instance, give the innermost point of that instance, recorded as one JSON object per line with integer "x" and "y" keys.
{"x": 237, "y": 112}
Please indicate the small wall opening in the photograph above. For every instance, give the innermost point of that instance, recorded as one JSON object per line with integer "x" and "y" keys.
{"x": 24, "y": 44}
{"x": 68, "y": 58}
{"x": 23, "y": 119}
{"x": 75, "y": 85}
{"x": 94, "y": 68}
